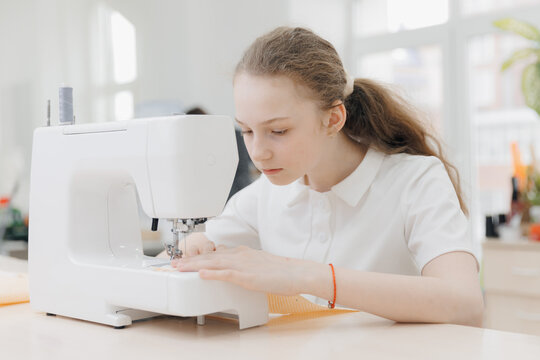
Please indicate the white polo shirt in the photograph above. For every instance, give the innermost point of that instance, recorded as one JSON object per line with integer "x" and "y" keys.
{"x": 392, "y": 214}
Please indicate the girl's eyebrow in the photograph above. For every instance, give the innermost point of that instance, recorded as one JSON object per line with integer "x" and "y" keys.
{"x": 266, "y": 121}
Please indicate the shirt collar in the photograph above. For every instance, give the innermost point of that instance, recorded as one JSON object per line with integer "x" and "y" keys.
{"x": 298, "y": 190}
{"x": 351, "y": 189}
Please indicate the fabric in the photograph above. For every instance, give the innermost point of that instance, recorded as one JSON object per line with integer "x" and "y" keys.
{"x": 392, "y": 214}
{"x": 279, "y": 304}
{"x": 13, "y": 288}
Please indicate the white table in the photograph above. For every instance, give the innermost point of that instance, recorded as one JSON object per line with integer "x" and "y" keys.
{"x": 25, "y": 334}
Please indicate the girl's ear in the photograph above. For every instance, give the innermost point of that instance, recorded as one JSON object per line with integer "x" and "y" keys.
{"x": 336, "y": 119}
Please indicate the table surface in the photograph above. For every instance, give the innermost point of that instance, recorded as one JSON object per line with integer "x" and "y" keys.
{"x": 511, "y": 245}
{"x": 26, "y": 334}
{"x": 11, "y": 264}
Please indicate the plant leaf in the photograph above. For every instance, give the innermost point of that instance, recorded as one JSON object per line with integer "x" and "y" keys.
{"x": 519, "y": 27}
{"x": 530, "y": 83}
{"x": 518, "y": 55}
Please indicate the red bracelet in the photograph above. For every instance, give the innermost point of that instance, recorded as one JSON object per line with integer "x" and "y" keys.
{"x": 332, "y": 304}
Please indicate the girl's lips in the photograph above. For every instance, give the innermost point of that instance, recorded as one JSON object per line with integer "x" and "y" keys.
{"x": 271, "y": 171}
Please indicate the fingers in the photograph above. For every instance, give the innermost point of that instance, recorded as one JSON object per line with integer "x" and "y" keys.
{"x": 221, "y": 247}
{"x": 222, "y": 258}
{"x": 203, "y": 262}
{"x": 196, "y": 266}
{"x": 190, "y": 250}
{"x": 197, "y": 247}
{"x": 224, "y": 264}
{"x": 207, "y": 247}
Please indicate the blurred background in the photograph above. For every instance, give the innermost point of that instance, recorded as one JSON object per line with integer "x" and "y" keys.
{"x": 135, "y": 58}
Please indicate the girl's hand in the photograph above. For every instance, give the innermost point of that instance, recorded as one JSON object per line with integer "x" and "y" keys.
{"x": 253, "y": 269}
{"x": 196, "y": 243}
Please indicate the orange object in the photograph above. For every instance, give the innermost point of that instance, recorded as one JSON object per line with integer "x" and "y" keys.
{"x": 332, "y": 304}
{"x": 13, "y": 288}
{"x": 534, "y": 232}
{"x": 4, "y": 201}
{"x": 520, "y": 170}
{"x": 297, "y": 308}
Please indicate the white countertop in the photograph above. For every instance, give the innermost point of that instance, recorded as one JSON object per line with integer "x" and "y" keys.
{"x": 25, "y": 334}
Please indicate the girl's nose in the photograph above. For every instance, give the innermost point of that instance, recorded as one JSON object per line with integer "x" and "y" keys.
{"x": 259, "y": 150}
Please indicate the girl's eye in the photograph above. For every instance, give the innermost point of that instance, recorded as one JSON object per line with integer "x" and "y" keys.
{"x": 279, "y": 132}
{"x": 246, "y": 132}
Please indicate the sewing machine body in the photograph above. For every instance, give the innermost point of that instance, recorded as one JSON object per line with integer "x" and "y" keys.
{"x": 85, "y": 247}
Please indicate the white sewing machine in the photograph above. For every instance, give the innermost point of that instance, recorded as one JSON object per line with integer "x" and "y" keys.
{"x": 85, "y": 248}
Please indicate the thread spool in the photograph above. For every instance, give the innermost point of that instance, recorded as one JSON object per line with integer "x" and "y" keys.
{"x": 65, "y": 94}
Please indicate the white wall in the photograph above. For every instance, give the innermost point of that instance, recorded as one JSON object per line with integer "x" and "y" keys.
{"x": 44, "y": 44}
{"x": 188, "y": 49}
{"x": 17, "y": 88}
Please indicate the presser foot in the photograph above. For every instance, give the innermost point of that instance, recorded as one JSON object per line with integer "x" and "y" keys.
{"x": 173, "y": 253}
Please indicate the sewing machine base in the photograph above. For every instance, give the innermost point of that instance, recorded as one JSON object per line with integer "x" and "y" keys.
{"x": 117, "y": 296}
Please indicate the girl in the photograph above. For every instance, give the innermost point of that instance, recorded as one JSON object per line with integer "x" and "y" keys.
{"x": 350, "y": 178}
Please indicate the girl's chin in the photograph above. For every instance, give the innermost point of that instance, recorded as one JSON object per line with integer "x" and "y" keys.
{"x": 280, "y": 180}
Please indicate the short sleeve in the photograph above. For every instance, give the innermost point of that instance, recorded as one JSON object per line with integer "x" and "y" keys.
{"x": 238, "y": 224}
{"x": 434, "y": 221}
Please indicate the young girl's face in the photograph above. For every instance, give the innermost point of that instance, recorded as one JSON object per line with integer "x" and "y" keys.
{"x": 282, "y": 126}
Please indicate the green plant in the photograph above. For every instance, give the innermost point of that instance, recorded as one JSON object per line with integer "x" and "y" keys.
{"x": 532, "y": 191}
{"x": 530, "y": 81}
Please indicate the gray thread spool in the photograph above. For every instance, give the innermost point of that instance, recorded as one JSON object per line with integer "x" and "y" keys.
{"x": 66, "y": 105}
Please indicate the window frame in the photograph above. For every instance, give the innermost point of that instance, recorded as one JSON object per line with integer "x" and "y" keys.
{"x": 457, "y": 127}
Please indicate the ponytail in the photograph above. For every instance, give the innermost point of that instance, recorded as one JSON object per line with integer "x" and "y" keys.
{"x": 378, "y": 117}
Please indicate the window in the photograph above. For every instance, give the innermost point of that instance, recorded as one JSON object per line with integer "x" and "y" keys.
{"x": 416, "y": 69}
{"x": 498, "y": 118}
{"x": 123, "y": 49}
{"x": 469, "y": 7}
{"x": 115, "y": 65}
{"x": 383, "y": 16}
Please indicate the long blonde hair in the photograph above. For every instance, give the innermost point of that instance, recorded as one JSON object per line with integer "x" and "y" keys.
{"x": 375, "y": 114}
